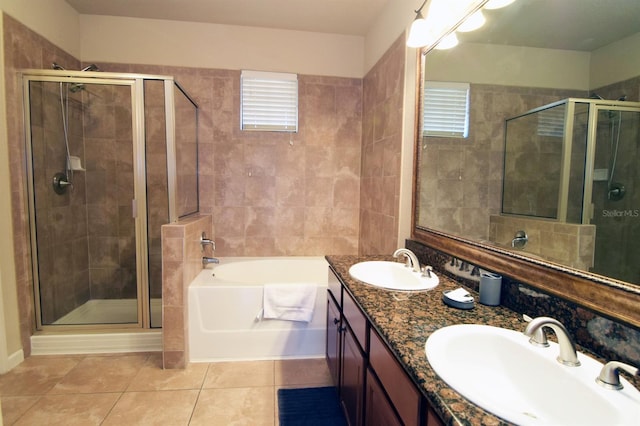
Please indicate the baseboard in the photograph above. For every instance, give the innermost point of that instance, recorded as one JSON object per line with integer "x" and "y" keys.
{"x": 67, "y": 344}
{"x": 12, "y": 360}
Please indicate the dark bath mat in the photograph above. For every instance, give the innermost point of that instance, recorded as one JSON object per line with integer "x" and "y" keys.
{"x": 310, "y": 407}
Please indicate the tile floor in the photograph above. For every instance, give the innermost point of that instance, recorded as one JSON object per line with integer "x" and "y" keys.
{"x": 133, "y": 389}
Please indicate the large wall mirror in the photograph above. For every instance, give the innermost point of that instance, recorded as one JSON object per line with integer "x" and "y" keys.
{"x": 553, "y": 149}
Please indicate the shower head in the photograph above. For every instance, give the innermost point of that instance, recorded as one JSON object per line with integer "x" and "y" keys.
{"x": 76, "y": 87}
{"x": 594, "y": 95}
{"x": 622, "y": 98}
{"x": 92, "y": 67}
{"x": 57, "y": 67}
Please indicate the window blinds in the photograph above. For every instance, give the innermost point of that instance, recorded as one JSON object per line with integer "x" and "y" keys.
{"x": 446, "y": 109}
{"x": 269, "y": 101}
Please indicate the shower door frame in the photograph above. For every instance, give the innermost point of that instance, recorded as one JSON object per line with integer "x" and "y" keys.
{"x": 139, "y": 203}
{"x": 595, "y": 107}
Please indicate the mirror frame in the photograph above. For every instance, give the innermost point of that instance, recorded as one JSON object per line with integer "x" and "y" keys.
{"x": 615, "y": 299}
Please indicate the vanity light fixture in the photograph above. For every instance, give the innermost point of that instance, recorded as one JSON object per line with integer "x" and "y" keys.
{"x": 472, "y": 23}
{"x": 497, "y": 4}
{"x": 419, "y": 34}
{"x": 448, "y": 42}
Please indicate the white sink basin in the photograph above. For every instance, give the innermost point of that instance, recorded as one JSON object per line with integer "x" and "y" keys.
{"x": 500, "y": 371}
{"x": 392, "y": 275}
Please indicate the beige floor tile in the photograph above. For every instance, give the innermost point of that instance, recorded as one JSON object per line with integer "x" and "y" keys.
{"x": 161, "y": 408}
{"x": 101, "y": 374}
{"x": 235, "y": 407}
{"x": 15, "y": 406}
{"x": 312, "y": 372}
{"x": 68, "y": 410}
{"x": 36, "y": 375}
{"x": 152, "y": 377}
{"x": 239, "y": 374}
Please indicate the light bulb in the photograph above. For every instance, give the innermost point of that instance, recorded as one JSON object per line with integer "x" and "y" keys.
{"x": 448, "y": 42}
{"x": 419, "y": 34}
{"x": 473, "y": 22}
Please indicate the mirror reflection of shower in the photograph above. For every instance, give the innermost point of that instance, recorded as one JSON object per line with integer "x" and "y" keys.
{"x": 615, "y": 190}
{"x": 63, "y": 180}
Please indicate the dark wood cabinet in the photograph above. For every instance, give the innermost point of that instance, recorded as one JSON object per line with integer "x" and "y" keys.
{"x": 378, "y": 408}
{"x": 373, "y": 386}
{"x": 352, "y": 375}
{"x": 334, "y": 335}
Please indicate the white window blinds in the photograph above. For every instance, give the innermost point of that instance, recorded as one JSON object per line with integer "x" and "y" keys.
{"x": 551, "y": 122}
{"x": 446, "y": 109}
{"x": 269, "y": 101}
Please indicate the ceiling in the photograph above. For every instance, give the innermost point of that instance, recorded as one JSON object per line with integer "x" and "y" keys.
{"x": 582, "y": 25}
{"x": 350, "y": 17}
{"x": 556, "y": 24}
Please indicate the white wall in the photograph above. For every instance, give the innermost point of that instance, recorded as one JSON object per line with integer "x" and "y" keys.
{"x": 625, "y": 54}
{"x": 161, "y": 42}
{"x": 511, "y": 66}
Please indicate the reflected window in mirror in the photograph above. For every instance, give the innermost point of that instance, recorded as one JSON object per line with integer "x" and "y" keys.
{"x": 446, "y": 109}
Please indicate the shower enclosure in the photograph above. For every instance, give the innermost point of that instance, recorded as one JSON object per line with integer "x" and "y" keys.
{"x": 111, "y": 157}
{"x": 576, "y": 161}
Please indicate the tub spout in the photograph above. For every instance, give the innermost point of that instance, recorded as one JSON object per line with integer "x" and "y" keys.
{"x": 207, "y": 260}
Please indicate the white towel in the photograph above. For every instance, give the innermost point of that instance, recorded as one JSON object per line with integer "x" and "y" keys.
{"x": 293, "y": 302}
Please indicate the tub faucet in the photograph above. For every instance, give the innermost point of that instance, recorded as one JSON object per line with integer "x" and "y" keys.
{"x": 207, "y": 260}
{"x": 568, "y": 354}
{"x": 412, "y": 260}
{"x": 204, "y": 242}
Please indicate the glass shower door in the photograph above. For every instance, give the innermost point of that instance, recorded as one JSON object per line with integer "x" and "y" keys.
{"x": 615, "y": 200}
{"x": 82, "y": 185}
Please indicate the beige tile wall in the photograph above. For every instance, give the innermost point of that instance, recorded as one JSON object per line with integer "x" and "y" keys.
{"x": 565, "y": 243}
{"x": 181, "y": 261}
{"x": 381, "y": 150}
{"x": 461, "y": 179}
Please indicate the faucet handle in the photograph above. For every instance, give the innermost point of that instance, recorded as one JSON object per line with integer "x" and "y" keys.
{"x": 426, "y": 271}
{"x": 610, "y": 375}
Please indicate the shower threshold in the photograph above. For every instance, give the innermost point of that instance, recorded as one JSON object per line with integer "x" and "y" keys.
{"x": 110, "y": 311}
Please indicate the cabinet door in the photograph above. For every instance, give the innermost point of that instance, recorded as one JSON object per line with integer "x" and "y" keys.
{"x": 352, "y": 378}
{"x": 333, "y": 339}
{"x": 378, "y": 409}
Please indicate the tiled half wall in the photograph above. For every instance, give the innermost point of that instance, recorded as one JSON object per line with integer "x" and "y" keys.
{"x": 181, "y": 261}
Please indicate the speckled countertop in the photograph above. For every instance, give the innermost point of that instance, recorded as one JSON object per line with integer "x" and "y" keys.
{"x": 406, "y": 319}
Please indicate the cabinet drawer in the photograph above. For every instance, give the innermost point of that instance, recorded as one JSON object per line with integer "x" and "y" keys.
{"x": 335, "y": 287}
{"x": 402, "y": 392}
{"x": 355, "y": 318}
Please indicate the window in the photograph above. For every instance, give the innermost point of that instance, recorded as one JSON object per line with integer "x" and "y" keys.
{"x": 446, "y": 109}
{"x": 551, "y": 122}
{"x": 269, "y": 101}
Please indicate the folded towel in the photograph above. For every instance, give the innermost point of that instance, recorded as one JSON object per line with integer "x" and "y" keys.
{"x": 293, "y": 302}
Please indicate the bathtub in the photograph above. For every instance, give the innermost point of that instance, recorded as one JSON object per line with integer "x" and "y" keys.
{"x": 225, "y": 300}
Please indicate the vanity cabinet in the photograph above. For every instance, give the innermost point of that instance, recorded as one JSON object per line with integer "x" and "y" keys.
{"x": 373, "y": 387}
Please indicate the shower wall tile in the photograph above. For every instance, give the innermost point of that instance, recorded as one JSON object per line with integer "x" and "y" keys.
{"x": 381, "y": 148}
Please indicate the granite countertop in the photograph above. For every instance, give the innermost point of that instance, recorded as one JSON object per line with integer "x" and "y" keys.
{"x": 406, "y": 319}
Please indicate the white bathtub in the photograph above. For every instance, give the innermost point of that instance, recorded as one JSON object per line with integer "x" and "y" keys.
{"x": 224, "y": 301}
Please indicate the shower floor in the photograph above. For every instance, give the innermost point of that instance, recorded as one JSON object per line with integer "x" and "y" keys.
{"x": 110, "y": 311}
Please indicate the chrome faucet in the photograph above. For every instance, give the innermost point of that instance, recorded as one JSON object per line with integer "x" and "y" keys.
{"x": 204, "y": 241}
{"x": 568, "y": 354}
{"x": 610, "y": 377}
{"x": 207, "y": 260}
{"x": 412, "y": 259}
